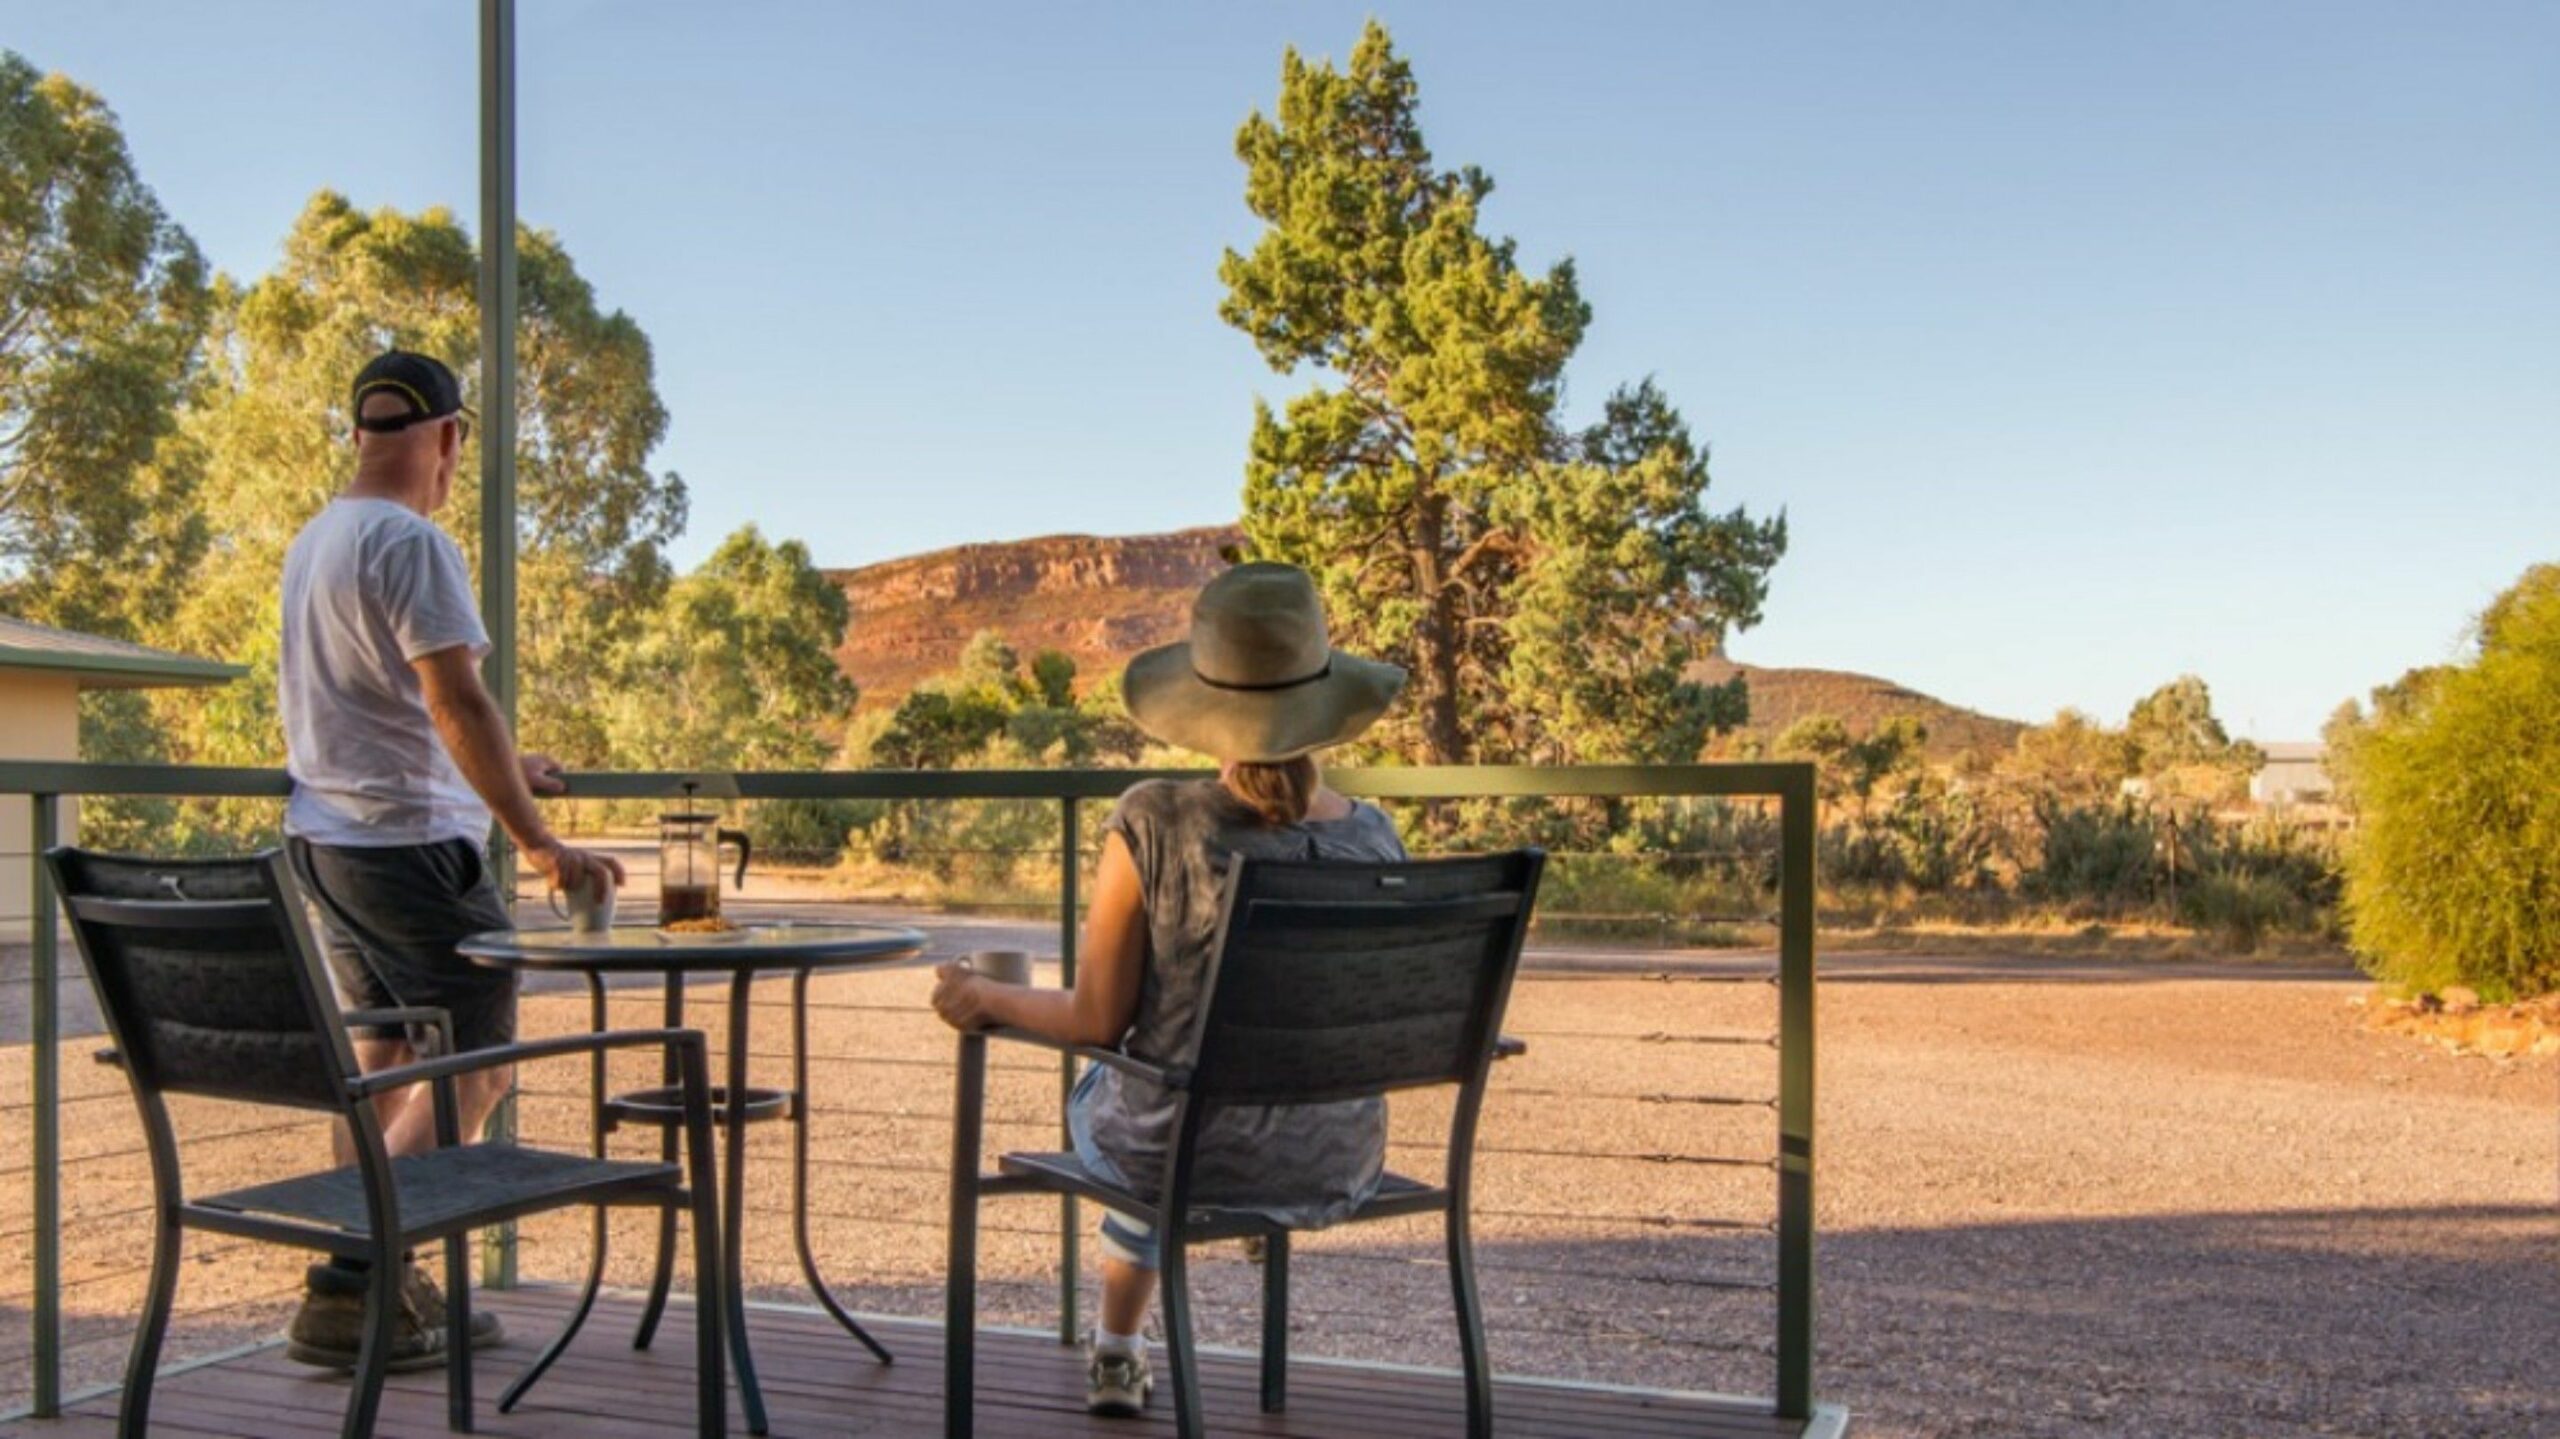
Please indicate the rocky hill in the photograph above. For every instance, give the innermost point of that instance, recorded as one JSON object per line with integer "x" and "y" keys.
{"x": 1780, "y": 697}
{"x": 1102, "y": 599}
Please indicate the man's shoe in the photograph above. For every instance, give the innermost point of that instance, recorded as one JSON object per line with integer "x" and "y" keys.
{"x": 328, "y": 1331}
{"x": 1116, "y": 1384}
{"x": 419, "y": 1291}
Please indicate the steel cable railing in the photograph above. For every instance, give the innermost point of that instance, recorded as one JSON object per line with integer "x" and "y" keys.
{"x": 1490, "y": 1270}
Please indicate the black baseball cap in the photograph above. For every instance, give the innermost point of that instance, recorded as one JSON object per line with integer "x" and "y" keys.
{"x": 422, "y": 380}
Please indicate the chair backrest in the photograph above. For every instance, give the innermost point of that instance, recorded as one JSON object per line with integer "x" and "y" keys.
{"x": 208, "y": 977}
{"x": 1337, "y": 980}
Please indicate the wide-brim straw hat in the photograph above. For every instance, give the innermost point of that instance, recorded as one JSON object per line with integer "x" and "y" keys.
{"x": 1258, "y": 680}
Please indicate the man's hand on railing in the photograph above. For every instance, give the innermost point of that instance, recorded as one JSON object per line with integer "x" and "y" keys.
{"x": 543, "y": 774}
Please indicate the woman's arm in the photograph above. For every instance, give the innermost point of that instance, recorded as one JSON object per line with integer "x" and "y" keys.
{"x": 1098, "y": 1010}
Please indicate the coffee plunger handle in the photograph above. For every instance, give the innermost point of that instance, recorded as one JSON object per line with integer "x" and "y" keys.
{"x": 745, "y": 846}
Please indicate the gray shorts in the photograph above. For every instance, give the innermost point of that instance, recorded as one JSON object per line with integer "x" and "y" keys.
{"x": 390, "y": 918}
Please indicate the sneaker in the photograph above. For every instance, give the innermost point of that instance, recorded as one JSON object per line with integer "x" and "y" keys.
{"x": 328, "y": 1331}
{"x": 420, "y": 1292}
{"x": 1116, "y": 1384}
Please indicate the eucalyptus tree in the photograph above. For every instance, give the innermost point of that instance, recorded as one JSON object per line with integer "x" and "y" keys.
{"x": 103, "y": 299}
{"x": 269, "y": 436}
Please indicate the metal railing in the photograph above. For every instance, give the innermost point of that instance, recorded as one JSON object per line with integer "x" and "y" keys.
{"x": 1790, "y": 786}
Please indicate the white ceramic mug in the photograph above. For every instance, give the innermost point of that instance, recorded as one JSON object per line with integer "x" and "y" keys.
{"x": 1004, "y": 966}
{"x": 590, "y": 907}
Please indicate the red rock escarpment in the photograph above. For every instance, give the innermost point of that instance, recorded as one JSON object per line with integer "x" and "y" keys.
{"x": 1099, "y": 599}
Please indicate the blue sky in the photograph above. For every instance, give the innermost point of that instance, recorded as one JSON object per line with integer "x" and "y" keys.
{"x": 2083, "y": 344}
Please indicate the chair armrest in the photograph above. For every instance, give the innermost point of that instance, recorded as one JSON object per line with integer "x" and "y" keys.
{"x": 423, "y": 1070}
{"x": 1506, "y": 1047}
{"x": 1108, "y": 1058}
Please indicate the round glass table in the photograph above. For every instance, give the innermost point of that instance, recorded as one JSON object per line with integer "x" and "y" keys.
{"x": 796, "y": 948}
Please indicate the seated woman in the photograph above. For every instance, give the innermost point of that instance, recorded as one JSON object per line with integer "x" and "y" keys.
{"x": 1260, "y": 688}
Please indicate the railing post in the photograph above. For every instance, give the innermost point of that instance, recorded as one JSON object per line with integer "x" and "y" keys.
{"x": 44, "y": 1034}
{"x": 497, "y": 292}
{"x": 1796, "y": 894}
{"x": 1070, "y": 1264}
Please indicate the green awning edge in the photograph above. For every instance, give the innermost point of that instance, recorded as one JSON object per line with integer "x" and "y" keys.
{"x": 122, "y": 671}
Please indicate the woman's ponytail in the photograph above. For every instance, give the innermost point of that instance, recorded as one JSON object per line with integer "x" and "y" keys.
{"x": 1281, "y": 791}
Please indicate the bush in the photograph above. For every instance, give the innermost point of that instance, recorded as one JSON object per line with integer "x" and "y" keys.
{"x": 1945, "y": 841}
{"x": 802, "y": 831}
{"x": 1858, "y": 855}
{"x": 2455, "y": 877}
{"x": 2302, "y": 864}
{"x": 2241, "y": 909}
{"x": 1637, "y": 897}
{"x": 2240, "y": 881}
{"x": 2108, "y": 855}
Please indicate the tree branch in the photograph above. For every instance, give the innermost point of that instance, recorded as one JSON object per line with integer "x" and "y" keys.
{"x": 1490, "y": 542}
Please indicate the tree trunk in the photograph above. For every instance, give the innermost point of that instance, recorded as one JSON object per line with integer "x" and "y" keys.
{"x": 1436, "y": 638}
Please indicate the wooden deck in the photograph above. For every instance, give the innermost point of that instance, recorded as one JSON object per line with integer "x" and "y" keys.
{"x": 818, "y": 1382}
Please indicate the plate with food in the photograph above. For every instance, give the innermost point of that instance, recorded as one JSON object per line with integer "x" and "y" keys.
{"x": 709, "y": 929}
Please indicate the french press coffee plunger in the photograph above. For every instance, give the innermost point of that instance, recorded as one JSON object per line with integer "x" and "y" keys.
{"x": 689, "y": 845}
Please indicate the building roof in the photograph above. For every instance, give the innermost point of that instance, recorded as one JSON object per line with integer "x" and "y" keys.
{"x": 101, "y": 663}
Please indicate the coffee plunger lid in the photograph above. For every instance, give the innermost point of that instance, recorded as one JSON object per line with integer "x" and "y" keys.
{"x": 685, "y": 816}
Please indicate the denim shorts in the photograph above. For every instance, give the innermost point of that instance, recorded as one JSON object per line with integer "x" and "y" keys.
{"x": 1124, "y": 1237}
{"x": 390, "y": 918}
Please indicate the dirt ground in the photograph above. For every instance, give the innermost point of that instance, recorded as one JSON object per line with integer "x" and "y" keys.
{"x": 2056, "y": 1197}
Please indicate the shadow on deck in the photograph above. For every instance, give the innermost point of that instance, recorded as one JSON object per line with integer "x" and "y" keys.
{"x": 816, "y": 1382}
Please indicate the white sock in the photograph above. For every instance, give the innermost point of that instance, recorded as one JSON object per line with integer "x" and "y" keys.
{"x": 1106, "y": 1342}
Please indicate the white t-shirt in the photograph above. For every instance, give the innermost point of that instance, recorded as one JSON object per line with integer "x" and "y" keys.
{"x": 370, "y": 585}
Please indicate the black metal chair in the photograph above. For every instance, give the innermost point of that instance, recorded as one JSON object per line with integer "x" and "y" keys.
{"x": 1329, "y": 981}
{"x": 211, "y": 985}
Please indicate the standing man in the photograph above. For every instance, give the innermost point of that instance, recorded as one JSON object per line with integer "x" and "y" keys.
{"x": 399, "y": 760}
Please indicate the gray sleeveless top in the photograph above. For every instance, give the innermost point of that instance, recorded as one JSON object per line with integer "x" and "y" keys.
{"x": 1302, "y": 1165}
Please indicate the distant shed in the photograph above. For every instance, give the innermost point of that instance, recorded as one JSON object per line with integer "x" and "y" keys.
{"x": 42, "y": 673}
{"x": 2296, "y": 774}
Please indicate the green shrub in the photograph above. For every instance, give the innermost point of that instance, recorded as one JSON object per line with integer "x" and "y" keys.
{"x": 2455, "y": 875}
{"x": 2107, "y": 854}
{"x": 2239, "y": 909}
{"x": 1860, "y": 856}
{"x": 1945, "y": 839}
{"x": 2303, "y": 863}
{"x": 802, "y": 831}
{"x": 1636, "y": 896}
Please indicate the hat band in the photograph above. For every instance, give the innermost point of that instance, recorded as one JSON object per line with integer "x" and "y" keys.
{"x": 1323, "y": 673}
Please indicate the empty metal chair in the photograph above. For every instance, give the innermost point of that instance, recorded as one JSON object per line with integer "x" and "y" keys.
{"x": 1330, "y": 981}
{"x": 211, "y": 985}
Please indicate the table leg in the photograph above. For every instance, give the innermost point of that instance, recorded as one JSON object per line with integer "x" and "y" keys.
{"x": 734, "y": 1203}
{"x": 595, "y": 1263}
{"x": 664, "y": 1274}
{"x": 800, "y": 1169}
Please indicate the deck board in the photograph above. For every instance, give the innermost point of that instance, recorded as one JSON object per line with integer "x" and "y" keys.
{"x": 817, "y": 1382}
